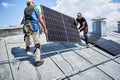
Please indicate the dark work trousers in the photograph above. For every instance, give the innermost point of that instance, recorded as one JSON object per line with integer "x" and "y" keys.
{"x": 85, "y": 31}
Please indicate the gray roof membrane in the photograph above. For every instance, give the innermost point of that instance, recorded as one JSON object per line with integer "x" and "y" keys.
{"x": 63, "y": 61}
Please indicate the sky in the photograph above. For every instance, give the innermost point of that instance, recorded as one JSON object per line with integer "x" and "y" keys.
{"x": 11, "y": 11}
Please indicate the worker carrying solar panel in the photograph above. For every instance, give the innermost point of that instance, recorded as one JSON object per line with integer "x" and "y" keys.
{"x": 83, "y": 26}
{"x": 32, "y": 17}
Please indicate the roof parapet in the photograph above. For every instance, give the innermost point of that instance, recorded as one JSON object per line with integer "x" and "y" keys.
{"x": 98, "y": 18}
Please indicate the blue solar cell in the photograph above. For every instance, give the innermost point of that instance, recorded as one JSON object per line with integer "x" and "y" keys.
{"x": 110, "y": 46}
{"x": 60, "y": 27}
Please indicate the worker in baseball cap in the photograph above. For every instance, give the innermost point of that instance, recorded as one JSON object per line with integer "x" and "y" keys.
{"x": 32, "y": 19}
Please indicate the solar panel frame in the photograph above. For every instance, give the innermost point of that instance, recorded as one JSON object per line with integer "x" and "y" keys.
{"x": 71, "y": 31}
{"x": 60, "y": 26}
{"x": 109, "y": 46}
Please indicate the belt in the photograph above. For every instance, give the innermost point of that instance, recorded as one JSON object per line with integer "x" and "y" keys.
{"x": 28, "y": 26}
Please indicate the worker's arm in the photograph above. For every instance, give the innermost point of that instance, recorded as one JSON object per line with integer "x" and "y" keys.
{"x": 42, "y": 23}
{"x": 83, "y": 26}
{"x": 75, "y": 23}
{"x": 41, "y": 19}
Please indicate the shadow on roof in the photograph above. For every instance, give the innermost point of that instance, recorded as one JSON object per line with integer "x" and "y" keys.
{"x": 52, "y": 47}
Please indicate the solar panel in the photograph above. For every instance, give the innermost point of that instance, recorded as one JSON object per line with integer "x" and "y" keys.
{"x": 92, "y": 38}
{"x": 110, "y": 46}
{"x": 60, "y": 27}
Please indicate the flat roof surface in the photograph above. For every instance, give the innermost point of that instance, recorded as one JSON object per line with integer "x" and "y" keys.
{"x": 66, "y": 61}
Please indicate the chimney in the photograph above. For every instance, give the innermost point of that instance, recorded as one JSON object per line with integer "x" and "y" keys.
{"x": 99, "y": 26}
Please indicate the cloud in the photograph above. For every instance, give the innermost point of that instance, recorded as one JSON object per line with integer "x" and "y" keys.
{"x": 90, "y": 9}
{"x": 5, "y": 4}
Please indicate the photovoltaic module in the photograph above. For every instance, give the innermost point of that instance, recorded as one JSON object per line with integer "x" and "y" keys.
{"x": 60, "y": 26}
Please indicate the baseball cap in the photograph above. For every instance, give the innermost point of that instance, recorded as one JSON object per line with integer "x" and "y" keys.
{"x": 28, "y": 1}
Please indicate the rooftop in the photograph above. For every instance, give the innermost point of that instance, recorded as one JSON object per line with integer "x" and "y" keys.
{"x": 66, "y": 61}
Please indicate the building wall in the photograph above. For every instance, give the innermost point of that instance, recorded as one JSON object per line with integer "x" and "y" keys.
{"x": 10, "y": 32}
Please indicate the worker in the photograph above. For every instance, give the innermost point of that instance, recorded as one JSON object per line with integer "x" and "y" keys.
{"x": 32, "y": 20}
{"x": 83, "y": 26}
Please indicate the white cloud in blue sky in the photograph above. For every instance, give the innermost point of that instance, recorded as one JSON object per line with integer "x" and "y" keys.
{"x": 90, "y": 9}
{"x": 6, "y": 4}
{"x": 13, "y": 10}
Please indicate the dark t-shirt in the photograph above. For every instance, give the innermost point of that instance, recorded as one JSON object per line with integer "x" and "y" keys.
{"x": 80, "y": 21}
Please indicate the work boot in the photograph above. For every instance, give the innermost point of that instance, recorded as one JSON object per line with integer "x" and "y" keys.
{"x": 27, "y": 48}
{"x": 39, "y": 63}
